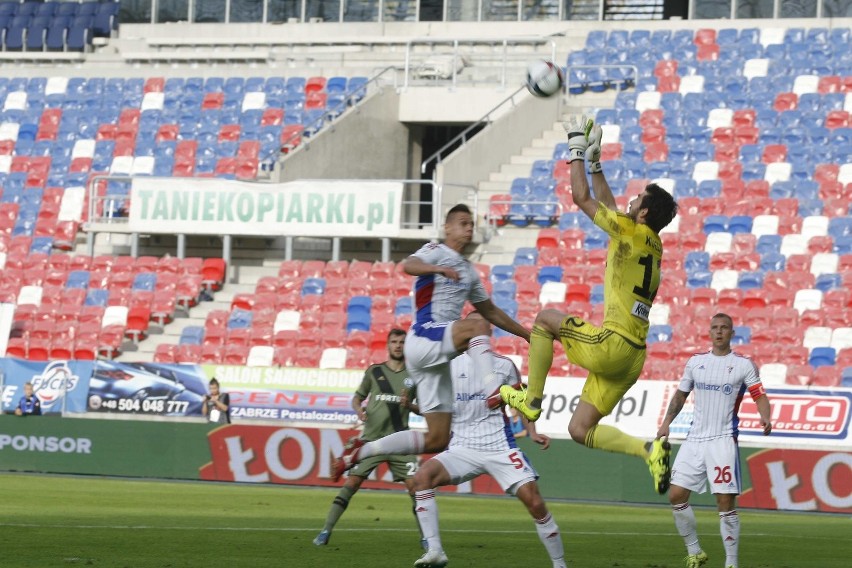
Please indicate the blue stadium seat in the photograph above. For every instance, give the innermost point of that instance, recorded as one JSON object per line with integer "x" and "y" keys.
{"x": 525, "y": 256}
{"x": 503, "y": 290}
{"x": 840, "y": 227}
{"x": 773, "y": 261}
{"x": 502, "y": 272}
{"x": 826, "y": 282}
{"x": 97, "y": 297}
{"x": 715, "y": 224}
{"x": 822, "y": 356}
{"x": 696, "y": 260}
{"x": 192, "y": 335}
{"x": 742, "y": 335}
{"x": 750, "y": 280}
{"x": 550, "y": 274}
{"x": 404, "y": 306}
{"x": 239, "y": 319}
{"x": 843, "y": 244}
{"x": 659, "y": 334}
{"x": 768, "y": 243}
{"x": 740, "y": 224}
{"x": 595, "y": 239}
{"x": 699, "y": 279}
{"x": 358, "y": 321}
{"x": 313, "y": 286}
{"x": 809, "y": 207}
{"x": 709, "y": 188}
{"x": 596, "y": 296}
{"x": 146, "y": 281}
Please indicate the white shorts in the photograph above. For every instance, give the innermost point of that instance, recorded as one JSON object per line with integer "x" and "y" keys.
{"x": 715, "y": 462}
{"x": 510, "y": 468}
{"x": 428, "y": 352}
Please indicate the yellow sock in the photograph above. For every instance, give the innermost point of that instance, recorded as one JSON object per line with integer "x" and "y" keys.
{"x": 541, "y": 358}
{"x": 612, "y": 439}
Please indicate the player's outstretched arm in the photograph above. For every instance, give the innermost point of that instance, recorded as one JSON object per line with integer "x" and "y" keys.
{"x": 416, "y": 267}
{"x": 600, "y": 187}
{"x": 578, "y": 129}
{"x": 501, "y": 319}
{"x": 675, "y": 406}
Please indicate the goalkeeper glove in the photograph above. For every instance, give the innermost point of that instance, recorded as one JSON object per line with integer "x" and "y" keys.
{"x": 593, "y": 153}
{"x": 578, "y": 127}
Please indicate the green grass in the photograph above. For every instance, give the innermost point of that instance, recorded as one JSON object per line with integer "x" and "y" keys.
{"x": 73, "y": 521}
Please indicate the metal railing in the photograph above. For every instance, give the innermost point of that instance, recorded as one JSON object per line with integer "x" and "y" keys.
{"x": 457, "y": 55}
{"x": 249, "y": 11}
{"x": 461, "y": 138}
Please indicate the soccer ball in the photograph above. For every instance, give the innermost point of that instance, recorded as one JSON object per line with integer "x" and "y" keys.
{"x": 544, "y": 78}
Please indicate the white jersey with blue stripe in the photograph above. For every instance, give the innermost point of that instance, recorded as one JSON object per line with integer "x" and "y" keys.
{"x": 719, "y": 383}
{"x": 438, "y": 299}
{"x": 475, "y": 426}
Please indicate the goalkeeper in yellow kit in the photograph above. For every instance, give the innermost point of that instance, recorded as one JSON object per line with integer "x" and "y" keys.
{"x": 613, "y": 352}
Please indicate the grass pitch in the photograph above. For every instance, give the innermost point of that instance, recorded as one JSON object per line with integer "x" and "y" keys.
{"x": 72, "y": 521}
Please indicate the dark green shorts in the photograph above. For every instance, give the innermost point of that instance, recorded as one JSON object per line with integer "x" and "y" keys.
{"x": 402, "y": 467}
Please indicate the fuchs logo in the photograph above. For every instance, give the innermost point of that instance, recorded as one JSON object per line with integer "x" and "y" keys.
{"x": 55, "y": 380}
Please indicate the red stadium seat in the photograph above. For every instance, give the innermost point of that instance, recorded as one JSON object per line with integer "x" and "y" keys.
{"x": 786, "y": 101}
{"x": 165, "y": 353}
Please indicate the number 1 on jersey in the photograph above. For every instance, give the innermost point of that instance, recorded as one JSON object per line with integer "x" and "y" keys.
{"x": 645, "y": 290}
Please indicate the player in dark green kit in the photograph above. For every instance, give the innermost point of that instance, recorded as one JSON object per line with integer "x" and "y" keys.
{"x": 388, "y": 406}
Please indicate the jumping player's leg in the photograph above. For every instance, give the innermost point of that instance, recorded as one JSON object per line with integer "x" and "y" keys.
{"x": 585, "y": 428}
{"x": 544, "y": 331}
{"x": 428, "y": 352}
{"x": 545, "y": 526}
{"x": 599, "y": 397}
{"x": 528, "y": 402}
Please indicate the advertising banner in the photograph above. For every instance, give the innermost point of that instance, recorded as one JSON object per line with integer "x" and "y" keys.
{"x": 146, "y": 388}
{"x": 638, "y": 413}
{"x": 799, "y": 480}
{"x": 817, "y": 415}
{"x": 291, "y": 394}
{"x": 317, "y": 208}
{"x": 294, "y": 456}
{"x": 59, "y": 385}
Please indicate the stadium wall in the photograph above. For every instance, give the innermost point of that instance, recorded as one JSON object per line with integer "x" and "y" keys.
{"x": 364, "y": 145}
{"x": 494, "y": 145}
{"x": 772, "y": 479}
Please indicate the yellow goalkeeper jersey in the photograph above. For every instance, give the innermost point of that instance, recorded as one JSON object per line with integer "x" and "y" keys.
{"x": 632, "y": 273}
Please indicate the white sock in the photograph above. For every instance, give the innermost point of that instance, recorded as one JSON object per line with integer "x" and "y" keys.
{"x": 479, "y": 349}
{"x": 427, "y": 515}
{"x": 548, "y": 533}
{"x": 729, "y": 526}
{"x": 405, "y": 442}
{"x": 684, "y": 518}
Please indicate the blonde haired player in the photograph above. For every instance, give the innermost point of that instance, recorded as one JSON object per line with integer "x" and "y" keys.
{"x": 719, "y": 379}
{"x": 613, "y": 352}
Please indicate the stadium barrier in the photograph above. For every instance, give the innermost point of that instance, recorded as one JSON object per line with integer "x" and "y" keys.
{"x": 800, "y": 480}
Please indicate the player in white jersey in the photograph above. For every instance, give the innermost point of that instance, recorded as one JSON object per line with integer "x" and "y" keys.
{"x": 445, "y": 281}
{"x": 482, "y": 442}
{"x": 719, "y": 379}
